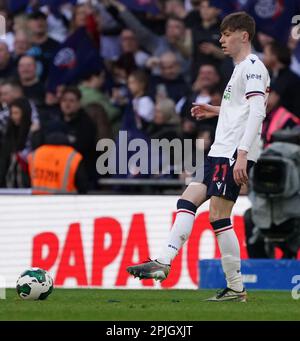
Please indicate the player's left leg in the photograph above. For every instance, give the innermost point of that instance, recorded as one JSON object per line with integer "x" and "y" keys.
{"x": 191, "y": 199}
{"x": 220, "y": 212}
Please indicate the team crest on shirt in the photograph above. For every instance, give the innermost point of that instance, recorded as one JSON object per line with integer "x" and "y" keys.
{"x": 227, "y": 92}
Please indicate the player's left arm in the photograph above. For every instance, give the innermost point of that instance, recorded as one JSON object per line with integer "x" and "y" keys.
{"x": 255, "y": 119}
{"x": 255, "y": 94}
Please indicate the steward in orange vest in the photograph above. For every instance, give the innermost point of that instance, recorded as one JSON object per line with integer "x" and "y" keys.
{"x": 53, "y": 169}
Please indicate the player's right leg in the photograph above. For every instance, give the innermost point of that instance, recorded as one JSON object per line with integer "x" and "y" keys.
{"x": 191, "y": 199}
{"x": 219, "y": 213}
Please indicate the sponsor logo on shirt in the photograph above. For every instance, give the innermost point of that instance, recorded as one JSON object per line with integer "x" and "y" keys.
{"x": 253, "y": 76}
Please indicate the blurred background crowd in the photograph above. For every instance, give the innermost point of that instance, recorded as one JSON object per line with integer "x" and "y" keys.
{"x": 73, "y": 72}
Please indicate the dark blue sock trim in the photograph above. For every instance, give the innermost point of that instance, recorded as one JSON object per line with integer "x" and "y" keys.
{"x": 218, "y": 224}
{"x": 187, "y": 205}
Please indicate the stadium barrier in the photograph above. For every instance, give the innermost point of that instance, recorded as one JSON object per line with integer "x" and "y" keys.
{"x": 88, "y": 241}
{"x": 274, "y": 274}
{"x": 144, "y": 182}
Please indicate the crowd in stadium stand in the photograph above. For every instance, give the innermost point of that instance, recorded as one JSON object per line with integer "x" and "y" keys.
{"x": 73, "y": 72}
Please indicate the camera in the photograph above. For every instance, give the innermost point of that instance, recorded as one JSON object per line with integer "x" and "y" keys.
{"x": 274, "y": 218}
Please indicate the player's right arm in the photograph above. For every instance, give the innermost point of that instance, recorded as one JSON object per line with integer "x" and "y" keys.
{"x": 203, "y": 111}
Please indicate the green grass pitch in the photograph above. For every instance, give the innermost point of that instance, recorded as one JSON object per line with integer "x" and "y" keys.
{"x": 149, "y": 305}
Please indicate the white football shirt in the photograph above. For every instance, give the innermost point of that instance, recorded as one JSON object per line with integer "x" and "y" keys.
{"x": 249, "y": 78}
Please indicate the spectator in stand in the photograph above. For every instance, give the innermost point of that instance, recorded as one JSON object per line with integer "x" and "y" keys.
{"x": 206, "y": 35}
{"x": 285, "y": 83}
{"x": 57, "y": 21}
{"x": 166, "y": 125}
{"x": 75, "y": 58}
{"x": 207, "y": 126}
{"x": 176, "y": 37}
{"x": 208, "y": 76}
{"x": 7, "y": 66}
{"x": 274, "y": 18}
{"x": 16, "y": 145}
{"x": 99, "y": 116}
{"x": 80, "y": 129}
{"x": 175, "y": 8}
{"x": 50, "y": 113}
{"x": 143, "y": 106}
{"x": 20, "y": 23}
{"x": 205, "y": 89}
{"x": 190, "y": 5}
{"x": 208, "y": 79}
{"x": 193, "y": 17}
{"x": 91, "y": 94}
{"x": 120, "y": 70}
{"x": 130, "y": 45}
{"x": 166, "y": 122}
{"x": 11, "y": 90}
{"x": 21, "y": 45}
{"x": 43, "y": 47}
{"x": 170, "y": 83}
{"x": 33, "y": 88}
{"x": 6, "y": 33}
{"x": 85, "y": 15}
{"x": 110, "y": 33}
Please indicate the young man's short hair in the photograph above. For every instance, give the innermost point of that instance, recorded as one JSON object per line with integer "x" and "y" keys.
{"x": 36, "y": 15}
{"x": 141, "y": 76}
{"x": 175, "y": 17}
{"x": 14, "y": 83}
{"x": 73, "y": 90}
{"x": 239, "y": 21}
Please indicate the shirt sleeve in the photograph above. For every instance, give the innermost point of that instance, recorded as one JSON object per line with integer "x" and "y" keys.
{"x": 257, "y": 113}
{"x": 254, "y": 78}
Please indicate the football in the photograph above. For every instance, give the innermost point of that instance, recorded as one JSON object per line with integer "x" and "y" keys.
{"x": 34, "y": 284}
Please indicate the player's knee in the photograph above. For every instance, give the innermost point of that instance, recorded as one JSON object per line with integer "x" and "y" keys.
{"x": 183, "y": 204}
{"x": 221, "y": 225}
{"x": 215, "y": 215}
{"x": 195, "y": 193}
{"x": 187, "y": 199}
{"x": 219, "y": 209}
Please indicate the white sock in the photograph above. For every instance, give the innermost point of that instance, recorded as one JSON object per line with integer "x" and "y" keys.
{"x": 180, "y": 231}
{"x": 231, "y": 260}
